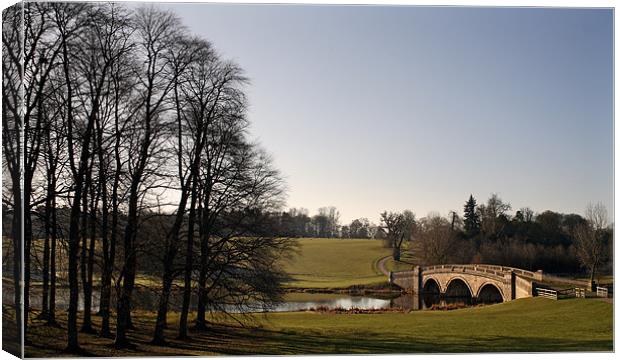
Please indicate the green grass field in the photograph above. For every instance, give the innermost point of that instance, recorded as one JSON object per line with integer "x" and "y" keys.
{"x": 336, "y": 263}
{"x": 407, "y": 262}
{"x": 533, "y": 324}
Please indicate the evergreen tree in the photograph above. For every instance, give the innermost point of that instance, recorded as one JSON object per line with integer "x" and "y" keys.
{"x": 471, "y": 217}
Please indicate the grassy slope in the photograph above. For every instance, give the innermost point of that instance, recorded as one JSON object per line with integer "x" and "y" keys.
{"x": 334, "y": 263}
{"x": 407, "y": 262}
{"x": 322, "y": 263}
{"x": 533, "y": 324}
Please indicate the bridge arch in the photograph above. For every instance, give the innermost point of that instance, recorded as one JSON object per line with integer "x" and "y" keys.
{"x": 490, "y": 293}
{"x": 431, "y": 285}
{"x": 459, "y": 290}
{"x": 431, "y": 292}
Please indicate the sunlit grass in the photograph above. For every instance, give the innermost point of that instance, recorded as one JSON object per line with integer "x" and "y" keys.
{"x": 336, "y": 263}
{"x": 533, "y": 324}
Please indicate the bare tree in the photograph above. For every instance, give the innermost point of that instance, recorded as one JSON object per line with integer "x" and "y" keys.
{"x": 87, "y": 54}
{"x": 436, "y": 239}
{"x": 109, "y": 90}
{"x": 28, "y": 60}
{"x": 222, "y": 173}
{"x": 12, "y": 123}
{"x": 596, "y": 214}
{"x": 155, "y": 31}
{"x": 189, "y": 142}
{"x": 205, "y": 93}
{"x": 492, "y": 215}
{"x": 54, "y": 163}
{"x": 589, "y": 248}
{"x": 399, "y": 227}
{"x": 242, "y": 270}
{"x": 120, "y": 108}
{"x": 527, "y": 214}
{"x": 589, "y": 239}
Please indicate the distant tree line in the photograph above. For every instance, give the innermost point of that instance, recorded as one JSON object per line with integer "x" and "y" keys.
{"x": 487, "y": 233}
{"x": 297, "y": 223}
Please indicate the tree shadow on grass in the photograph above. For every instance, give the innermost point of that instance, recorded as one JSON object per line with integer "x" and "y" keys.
{"x": 256, "y": 341}
{"x": 11, "y": 341}
{"x": 236, "y": 340}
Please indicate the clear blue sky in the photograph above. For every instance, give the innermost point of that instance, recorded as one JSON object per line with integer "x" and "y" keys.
{"x": 390, "y": 108}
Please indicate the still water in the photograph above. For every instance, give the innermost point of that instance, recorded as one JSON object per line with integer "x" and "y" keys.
{"x": 345, "y": 302}
{"x": 148, "y": 299}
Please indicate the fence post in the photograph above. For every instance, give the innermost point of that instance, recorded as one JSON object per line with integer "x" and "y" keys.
{"x": 592, "y": 285}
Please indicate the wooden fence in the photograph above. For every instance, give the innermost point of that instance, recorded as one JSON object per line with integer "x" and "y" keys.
{"x": 556, "y": 294}
{"x": 547, "y": 293}
{"x": 601, "y": 291}
{"x": 604, "y": 292}
{"x": 580, "y": 292}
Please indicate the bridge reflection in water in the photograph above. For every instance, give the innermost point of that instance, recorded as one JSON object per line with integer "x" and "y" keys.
{"x": 457, "y": 293}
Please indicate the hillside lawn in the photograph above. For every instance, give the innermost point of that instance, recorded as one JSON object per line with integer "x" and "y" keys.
{"x": 317, "y": 263}
{"x": 336, "y": 263}
{"x": 531, "y": 325}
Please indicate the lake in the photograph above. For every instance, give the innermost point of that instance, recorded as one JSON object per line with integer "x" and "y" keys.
{"x": 148, "y": 299}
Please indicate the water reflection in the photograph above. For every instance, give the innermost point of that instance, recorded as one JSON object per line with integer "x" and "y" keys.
{"x": 346, "y": 302}
{"x": 428, "y": 300}
{"x": 148, "y": 299}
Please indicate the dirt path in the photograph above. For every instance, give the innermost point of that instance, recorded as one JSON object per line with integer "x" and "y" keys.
{"x": 381, "y": 264}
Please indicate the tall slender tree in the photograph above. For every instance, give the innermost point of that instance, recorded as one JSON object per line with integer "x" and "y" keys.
{"x": 156, "y": 32}
{"x": 471, "y": 219}
{"x": 12, "y": 124}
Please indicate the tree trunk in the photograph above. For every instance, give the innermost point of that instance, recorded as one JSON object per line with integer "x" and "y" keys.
{"x": 396, "y": 253}
{"x": 201, "y": 323}
{"x": 16, "y": 233}
{"x": 27, "y": 247}
{"x": 129, "y": 268}
{"x": 108, "y": 268}
{"x": 105, "y": 294}
{"x": 74, "y": 238}
{"x": 74, "y": 225}
{"x": 46, "y": 254}
{"x": 187, "y": 289}
{"x": 74, "y": 233}
{"x": 51, "y": 319}
{"x": 592, "y": 273}
{"x": 109, "y": 251}
{"x": 123, "y": 322}
{"x": 167, "y": 276}
{"x": 87, "y": 325}
{"x": 162, "y": 311}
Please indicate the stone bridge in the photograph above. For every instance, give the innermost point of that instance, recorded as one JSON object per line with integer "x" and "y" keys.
{"x": 477, "y": 282}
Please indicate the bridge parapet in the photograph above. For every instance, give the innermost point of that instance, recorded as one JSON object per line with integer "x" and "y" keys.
{"x": 490, "y": 269}
{"x": 481, "y": 273}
